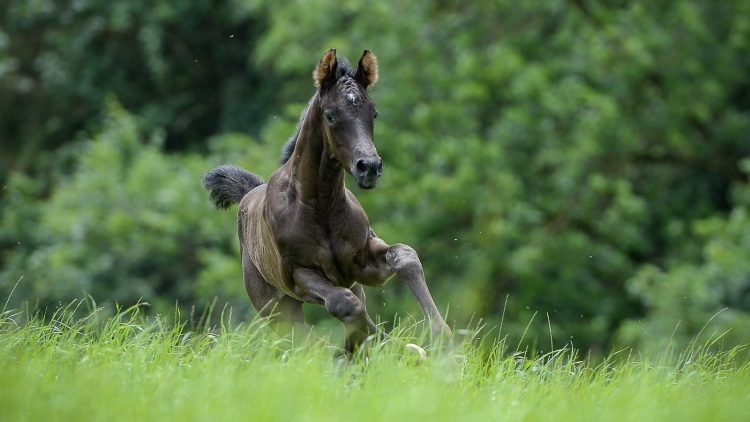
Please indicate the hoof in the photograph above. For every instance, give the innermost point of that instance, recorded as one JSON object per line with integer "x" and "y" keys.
{"x": 415, "y": 354}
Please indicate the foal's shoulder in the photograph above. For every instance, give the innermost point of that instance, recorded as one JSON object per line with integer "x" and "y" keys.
{"x": 353, "y": 201}
{"x": 356, "y": 214}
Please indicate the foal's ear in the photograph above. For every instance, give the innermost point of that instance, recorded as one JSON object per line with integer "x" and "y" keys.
{"x": 367, "y": 69}
{"x": 326, "y": 67}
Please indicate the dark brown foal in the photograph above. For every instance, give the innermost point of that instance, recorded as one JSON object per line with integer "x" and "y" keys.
{"x": 304, "y": 237}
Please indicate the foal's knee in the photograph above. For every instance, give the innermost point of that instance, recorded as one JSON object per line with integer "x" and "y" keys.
{"x": 344, "y": 305}
{"x": 402, "y": 258}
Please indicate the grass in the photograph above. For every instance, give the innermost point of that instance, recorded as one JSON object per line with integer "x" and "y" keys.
{"x": 129, "y": 367}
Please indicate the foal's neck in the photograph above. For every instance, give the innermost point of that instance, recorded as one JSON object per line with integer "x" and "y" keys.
{"x": 317, "y": 176}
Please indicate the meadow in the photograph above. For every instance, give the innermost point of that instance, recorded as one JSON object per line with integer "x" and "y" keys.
{"x": 128, "y": 366}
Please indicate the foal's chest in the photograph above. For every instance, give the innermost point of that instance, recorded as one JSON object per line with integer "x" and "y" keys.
{"x": 335, "y": 247}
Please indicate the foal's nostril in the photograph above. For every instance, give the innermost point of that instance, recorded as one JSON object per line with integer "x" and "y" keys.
{"x": 369, "y": 168}
{"x": 362, "y": 166}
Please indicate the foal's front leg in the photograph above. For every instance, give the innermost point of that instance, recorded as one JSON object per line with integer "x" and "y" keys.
{"x": 403, "y": 261}
{"x": 340, "y": 302}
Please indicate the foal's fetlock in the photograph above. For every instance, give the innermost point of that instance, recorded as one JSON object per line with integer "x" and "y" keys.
{"x": 441, "y": 332}
{"x": 441, "y": 340}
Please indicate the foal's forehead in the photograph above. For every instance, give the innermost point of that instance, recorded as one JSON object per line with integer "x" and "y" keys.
{"x": 351, "y": 92}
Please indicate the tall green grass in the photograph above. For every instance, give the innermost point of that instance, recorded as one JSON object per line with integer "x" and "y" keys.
{"x": 129, "y": 367}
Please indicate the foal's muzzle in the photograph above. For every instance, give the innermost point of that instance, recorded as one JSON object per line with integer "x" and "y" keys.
{"x": 367, "y": 171}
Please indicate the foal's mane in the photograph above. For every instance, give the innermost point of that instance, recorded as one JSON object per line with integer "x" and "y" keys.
{"x": 343, "y": 69}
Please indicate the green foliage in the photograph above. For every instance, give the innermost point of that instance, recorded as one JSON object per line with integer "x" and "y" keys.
{"x": 128, "y": 367}
{"x": 129, "y": 224}
{"x": 577, "y": 165}
{"x": 181, "y": 67}
{"x": 544, "y": 153}
{"x": 681, "y": 299}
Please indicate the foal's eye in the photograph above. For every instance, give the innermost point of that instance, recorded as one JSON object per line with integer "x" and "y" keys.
{"x": 375, "y": 116}
{"x": 329, "y": 116}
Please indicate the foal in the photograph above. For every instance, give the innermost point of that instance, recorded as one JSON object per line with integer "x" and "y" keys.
{"x": 303, "y": 235}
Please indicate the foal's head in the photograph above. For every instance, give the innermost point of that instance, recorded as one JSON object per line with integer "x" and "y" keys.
{"x": 348, "y": 114}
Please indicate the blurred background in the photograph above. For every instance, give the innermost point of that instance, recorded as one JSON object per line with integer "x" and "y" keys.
{"x": 575, "y": 169}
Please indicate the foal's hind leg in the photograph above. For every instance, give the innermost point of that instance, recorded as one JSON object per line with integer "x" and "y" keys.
{"x": 284, "y": 313}
{"x": 340, "y": 302}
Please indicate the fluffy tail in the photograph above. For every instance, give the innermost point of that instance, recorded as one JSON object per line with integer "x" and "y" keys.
{"x": 229, "y": 184}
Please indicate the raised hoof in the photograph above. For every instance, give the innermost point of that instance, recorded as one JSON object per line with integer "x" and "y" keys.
{"x": 414, "y": 355}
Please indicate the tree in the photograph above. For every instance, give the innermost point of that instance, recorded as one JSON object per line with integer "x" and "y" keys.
{"x": 185, "y": 68}
{"x": 129, "y": 224}
{"x": 544, "y": 153}
{"x": 577, "y": 164}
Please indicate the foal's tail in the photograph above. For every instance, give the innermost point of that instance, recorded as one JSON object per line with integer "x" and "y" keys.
{"x": 229, "y": 184}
